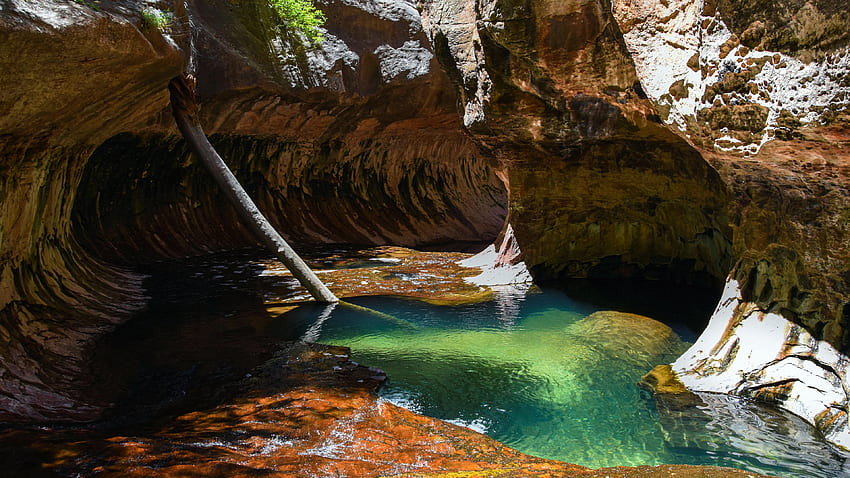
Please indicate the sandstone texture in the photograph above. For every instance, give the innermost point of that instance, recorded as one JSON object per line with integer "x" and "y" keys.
{"x": 696, "y": 142}
{"x": 736, "y": 74}
{"x": 71, "y": 77}
{"x": 769, "y": 82}
{"x": 597, "y": 186}
{"x": 627, "y": 336}
{"x": 310, "y": 412}
{"x": 356, "y": 142}
{"x": 751, "y": 189}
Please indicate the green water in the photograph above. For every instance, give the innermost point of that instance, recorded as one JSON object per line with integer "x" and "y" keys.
{"x": 529, "y": 370}
{"x": 526, "y": 367}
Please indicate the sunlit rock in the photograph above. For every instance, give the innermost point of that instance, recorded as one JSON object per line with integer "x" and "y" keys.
{"x": 736, "y": 74}
{"x": 747, "y": 351}
{"x": 627, "y": 336}
{"x": 597, "y": 186}
{"x": 499, "y": 267}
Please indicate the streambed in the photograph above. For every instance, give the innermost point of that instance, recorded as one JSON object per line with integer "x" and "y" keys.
{"x": 541, "y": 370}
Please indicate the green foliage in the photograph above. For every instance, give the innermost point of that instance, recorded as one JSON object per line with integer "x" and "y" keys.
{"x": 301, "y": 15}
{"x": 156, "y": 19}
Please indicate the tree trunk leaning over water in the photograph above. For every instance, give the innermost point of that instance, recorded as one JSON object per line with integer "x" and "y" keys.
{"x": 182, "y": 89}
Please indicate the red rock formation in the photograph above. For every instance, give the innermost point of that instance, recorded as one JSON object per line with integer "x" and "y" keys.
{"x": 310, "y": 412}
{"x": 330, "y": 142}
{"x": 337, "y": 148}
{"x": 62, "y": 69}
{"x": 768, "y": 80}
{"x": 600, "y": 188}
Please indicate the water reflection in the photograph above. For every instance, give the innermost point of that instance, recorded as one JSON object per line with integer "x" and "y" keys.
{"x": 531, "y": 369}
{"x": 527, "y": 366}
{"x": 726, "y": 430}
{"x": 509, "y": 300}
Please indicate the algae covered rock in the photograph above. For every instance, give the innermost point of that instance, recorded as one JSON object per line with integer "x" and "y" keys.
{"x": 627, "y": 336}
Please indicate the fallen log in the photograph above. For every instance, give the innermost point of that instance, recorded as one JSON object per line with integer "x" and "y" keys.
{"x": 185, "y": 109}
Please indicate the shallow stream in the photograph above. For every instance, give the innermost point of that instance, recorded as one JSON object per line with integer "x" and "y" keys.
{"x": 537, "y": 369}
{"x": 532, "y": 371}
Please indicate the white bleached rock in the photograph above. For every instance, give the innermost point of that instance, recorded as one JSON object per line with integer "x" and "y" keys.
{"x": 501, "y": 267}
{"x": 745, "y": 351}
{"x": 677, "y": 42}
{"x": 493, "y": 273}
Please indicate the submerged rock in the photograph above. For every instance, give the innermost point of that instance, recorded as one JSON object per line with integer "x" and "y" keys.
{"x": 757, "y": 430}
{"x": 662, "y": 379}
{"x": 310, "y": 412}
{"x": 562, "y": 110}
{"x": 627, "y": 336}
{"x": 751, "y": 189}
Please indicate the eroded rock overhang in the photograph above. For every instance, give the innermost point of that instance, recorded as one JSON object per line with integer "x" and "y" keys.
{"x": 357, "y": 142}
{"x": 579, "y": 99}
{"x": 734, "y": 77}
{"x": 767, "y": 81}
{"x": 550, "y": 97}
{"x": 598, "y": 186}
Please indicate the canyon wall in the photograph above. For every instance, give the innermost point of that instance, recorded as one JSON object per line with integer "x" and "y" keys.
{"x": 598, "y": 186}
{"x": 701, "y": 142}
{"x": 329, "y": 141}
{"x": 355, "y": 142}
{"x": 769, "y": 84}
{"x": 71, "y": 78}
{"x": 696, "y": 142}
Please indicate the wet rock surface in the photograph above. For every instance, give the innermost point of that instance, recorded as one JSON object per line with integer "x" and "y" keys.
{"x": 779, "y": 333}
{"x": 229, "y": 391}
{"x": 594, "y": 184}
{"x": 563, "y": 104}
{"x": 329, "y": 141}
{"x": 309, "y": 411}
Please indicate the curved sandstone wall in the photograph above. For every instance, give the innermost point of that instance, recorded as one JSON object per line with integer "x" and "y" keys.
{"x": 411, "y": 188}
{"x": 598, "y": 186}
{"x": 769, "y": 81}
{"x": 331, "y": 142}
{"x": 616, "y": 130}
{"x": 55, "y": 299}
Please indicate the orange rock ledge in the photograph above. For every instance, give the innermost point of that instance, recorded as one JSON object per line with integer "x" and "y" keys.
{"x": 309, "y": 411}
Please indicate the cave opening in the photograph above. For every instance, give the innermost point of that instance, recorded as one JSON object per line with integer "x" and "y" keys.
{"x": 159, "y": 205}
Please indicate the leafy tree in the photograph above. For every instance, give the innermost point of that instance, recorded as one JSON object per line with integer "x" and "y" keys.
{"x": 301, "y": 15}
